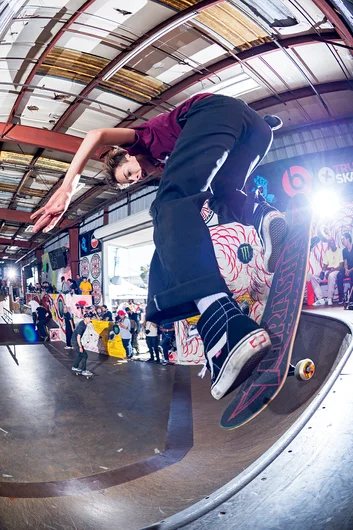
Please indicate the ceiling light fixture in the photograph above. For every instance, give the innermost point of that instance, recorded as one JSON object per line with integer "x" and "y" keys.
{"x": 150, "y": 40}
{"x": 235, "y": 86}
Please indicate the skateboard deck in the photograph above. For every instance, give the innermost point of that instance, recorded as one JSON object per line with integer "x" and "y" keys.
{"x": 280, "y": 319}
{"x": 86, "y": 376}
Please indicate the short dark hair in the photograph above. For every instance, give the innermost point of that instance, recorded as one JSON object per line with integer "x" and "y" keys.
{"x": 62, "y": 278}
{"x": 348, "y": 236}
{"x": 113, "y": 159}
{"x": 105, "y": 306}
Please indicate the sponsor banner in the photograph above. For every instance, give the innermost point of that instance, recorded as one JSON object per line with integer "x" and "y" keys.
{"x": 307, "y": 174}
{"x": 89, "y": 244}
{"x": 91, "y": 267}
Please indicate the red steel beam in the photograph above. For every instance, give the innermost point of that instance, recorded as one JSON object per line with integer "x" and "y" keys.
{"x": 42, "y": 58}
{"x": 24, "y": 134}
{"x": 74, "y": 257}
{"x": 226, "y": 63}
{"x": 300, "y": 93}
{"x": 204, "y": 4}
{"x": 18, "y": 216}
{"x": 335, "y": 20}
{"x": 15, "y": 215}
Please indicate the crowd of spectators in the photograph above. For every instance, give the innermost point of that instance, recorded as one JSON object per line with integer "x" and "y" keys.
{"x": 82, "y": 285}
{"x": 128, "y": 319}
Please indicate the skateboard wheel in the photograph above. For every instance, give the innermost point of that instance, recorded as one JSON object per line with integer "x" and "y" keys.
{"x": 304, "y": 370}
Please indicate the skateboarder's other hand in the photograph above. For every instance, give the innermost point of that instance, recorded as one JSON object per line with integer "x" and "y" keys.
{"x": 50, "y": 215}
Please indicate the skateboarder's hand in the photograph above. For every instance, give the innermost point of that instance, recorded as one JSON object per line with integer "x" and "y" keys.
{"x": 49, "y": 215}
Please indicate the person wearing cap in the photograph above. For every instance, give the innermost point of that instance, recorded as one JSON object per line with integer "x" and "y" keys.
{"x": 124, "y": 324}
{"x": 76, "y": 342}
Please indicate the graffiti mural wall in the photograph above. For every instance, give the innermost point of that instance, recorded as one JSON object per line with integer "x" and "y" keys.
{"x": 239, "y": 255}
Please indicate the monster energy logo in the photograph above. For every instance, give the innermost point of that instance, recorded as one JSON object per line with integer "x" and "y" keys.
{"x": 245, "y": 253}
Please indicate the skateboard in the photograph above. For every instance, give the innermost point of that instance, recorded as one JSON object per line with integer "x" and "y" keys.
{"x": 86, "y": 376}
{"x": 280, "y": 319}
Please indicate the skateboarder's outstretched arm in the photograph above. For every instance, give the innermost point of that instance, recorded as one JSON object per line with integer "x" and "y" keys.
{"x": 49, "y": 215}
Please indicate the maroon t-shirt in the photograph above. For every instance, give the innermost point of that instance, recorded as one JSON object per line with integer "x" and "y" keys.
{"x": 157, "y": 137}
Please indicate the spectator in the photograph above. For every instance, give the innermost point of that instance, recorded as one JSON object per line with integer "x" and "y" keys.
{"x": 38, "y": 287}
{"x": 30, "y": 288}
{"x": 65, "y": 287}
{"x": 134, "y": 332}
{"x": 92, "y": 312}
{"x": 347, "y": 256}
{"x": 47, "y": 288}
{"x": 78, "y": 347}
{"x": 33, "y": 304}
{"x": 78, "y": 282}
{"x": 42, "y": 316}
{"x": 72, "y": 286}
{"x": 152, "y": 341}
{"x": 4, "y": 290}
{"x": 106, "y": 315}
{"x": 86, "y": 286}
{"x": 125, "y": 333}
{"x": 332, "y": 263}
{"x": 168, "y": 339}
{"x": 69, "y": 327}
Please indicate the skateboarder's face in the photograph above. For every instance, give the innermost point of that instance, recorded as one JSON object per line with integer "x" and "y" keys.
{"x": 135, "y": 168}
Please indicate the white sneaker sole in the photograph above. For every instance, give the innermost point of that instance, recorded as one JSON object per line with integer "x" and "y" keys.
{"x": 274, "y": 231}
{"x": 240, "y": 363}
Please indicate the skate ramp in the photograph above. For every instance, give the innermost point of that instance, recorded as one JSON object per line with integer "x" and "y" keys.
{"x": 126, "y": 408}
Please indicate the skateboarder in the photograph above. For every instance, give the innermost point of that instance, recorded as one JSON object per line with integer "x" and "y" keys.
{"x": 76, "y": 341}
{"x": 207, "y": 148}
{"x": 41, "y": 321}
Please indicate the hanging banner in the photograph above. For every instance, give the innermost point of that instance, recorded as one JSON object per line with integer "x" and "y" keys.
{"x": 89, "y": 244}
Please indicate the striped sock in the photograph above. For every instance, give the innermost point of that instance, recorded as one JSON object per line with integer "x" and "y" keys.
{"x": 204, "y": 303}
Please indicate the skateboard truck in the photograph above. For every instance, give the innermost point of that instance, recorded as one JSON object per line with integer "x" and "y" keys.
{"x": 303, "y": 370}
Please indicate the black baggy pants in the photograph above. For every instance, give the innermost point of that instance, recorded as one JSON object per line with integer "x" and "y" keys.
{"x": 221, "y": 143}
{"x": 42, "y": 329}
{"x": 68, "y": 332}
{"x": 152, "y": 345}
{"x": 81, "y": 357}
